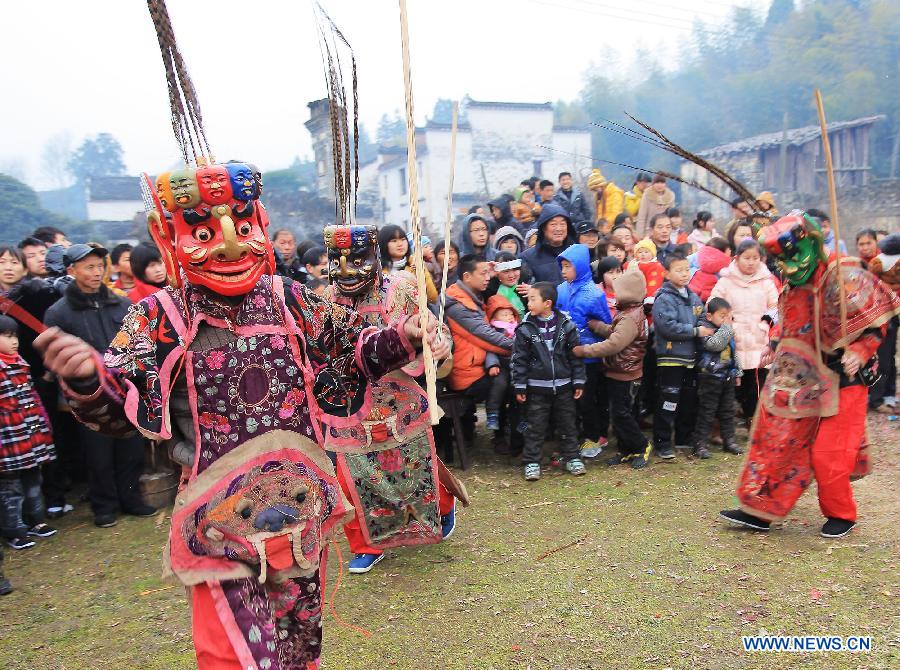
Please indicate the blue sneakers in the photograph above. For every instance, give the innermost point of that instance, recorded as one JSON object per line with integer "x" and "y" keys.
{"x": 448, "y": 523}
{"x": 362, "y": 563}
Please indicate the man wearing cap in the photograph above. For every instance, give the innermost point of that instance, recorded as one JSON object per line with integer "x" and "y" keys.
{"x": 588, "y": 234}
{"x": 90, "y": 311}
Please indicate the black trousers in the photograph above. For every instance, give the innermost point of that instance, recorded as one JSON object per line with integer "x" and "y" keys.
{"x": 649, "y": 389}
{"x": 541, "y": 405}
{"x": 21, "y": 502}
{"x": 748, "y": 392}
{"x": 887, "y": 367}
{"x": 498, "y": 395}
{"x": 715, "y": 400}
{"x": 676, "y": 405}
{"x": 622, "y": 398}
{"x": 114, "y": 468}
{"x": 593, "y": 406}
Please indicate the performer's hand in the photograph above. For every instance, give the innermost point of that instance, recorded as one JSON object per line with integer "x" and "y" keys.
{"x": 578, "y": 393}
{"x": 851, "y": 362}
{"x": 494, "y": 371}
{"x": 521, "y": 397}
{"x": 767, "y": 358}
{"x": 65, "y": 355}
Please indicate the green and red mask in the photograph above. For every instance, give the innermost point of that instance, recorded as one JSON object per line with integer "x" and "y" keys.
{"x": 796, "y": 241}
{"x": 209, "y": 224}
{"x": 353, "y": 258}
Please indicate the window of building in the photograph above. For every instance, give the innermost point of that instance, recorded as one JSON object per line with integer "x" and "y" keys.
{"x": 402, "y": 174}
{"x": 536, "y": 166}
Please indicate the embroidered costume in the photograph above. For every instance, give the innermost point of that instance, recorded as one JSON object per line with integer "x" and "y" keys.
{"x": 812, "y": 416}
{"x": 386, "y": 457}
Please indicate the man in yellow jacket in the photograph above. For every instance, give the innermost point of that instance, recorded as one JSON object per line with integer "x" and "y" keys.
{"x": 610, "y": 199}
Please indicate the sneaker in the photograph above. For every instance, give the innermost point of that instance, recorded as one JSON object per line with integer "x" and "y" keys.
{"x": 448, "y": 523}
{"x": 741, "y": 518}
{"x": 575, "y": 467}
{"x": 105, "y": 520}
{"x": 590, "y": 449}
{"x": 837, "y": 527}
{"x": 141, "y": 510}
{"x": 20, "y": 543}
{"x": 5, "y": 587}
{"x": 493, "y": 421}
{"x": 666, "y": 453}
{"x": 57, "y": 512}
{"x": 732, "y": 448}
{"x": 42, "y": 530}
{"x": 362, "y": 563}
{"x": 532, "y": 472}
{"x": 702, "y": 453}
{"x": 890, "y": 401}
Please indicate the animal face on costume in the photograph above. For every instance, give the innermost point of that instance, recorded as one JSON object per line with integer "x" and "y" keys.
{"x": 273, "y": 513}
{"x": 796, "y": 241}
{"x": 216, "y": 238}
{"x": 353, "y": 265}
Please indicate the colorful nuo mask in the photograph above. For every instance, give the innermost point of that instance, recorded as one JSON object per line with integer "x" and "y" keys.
{"x": 796, "y": 241}
{"x": 353, "y": 259}
{"x": 209, "y": 224}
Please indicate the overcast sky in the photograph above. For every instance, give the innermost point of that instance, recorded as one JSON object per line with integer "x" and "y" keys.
{"x": 81, "y": 68}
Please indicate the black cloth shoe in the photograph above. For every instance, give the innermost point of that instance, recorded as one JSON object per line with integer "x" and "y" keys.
{"x": 732, "y": 448}
{"x": 140, "y": 510}
{"x": 5, "y": 587}
{"x": 42, "y": 530}
{"x": 105, "y": 520}
{"x": 666, "y": 453}
{"x": 702, "y": 452}
{"x": 618, "y": 459}
{"x": 837, "y": 527}
{"x": 18, "y": 543}
{"x": 740, "y": 518}
{"x": 638, "y": 462}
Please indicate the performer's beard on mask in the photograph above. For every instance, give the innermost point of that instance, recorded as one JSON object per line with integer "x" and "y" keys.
{"x": 796, "y": 241}
{"x": 353, "y": 259}
{"x": 209, "y": 224}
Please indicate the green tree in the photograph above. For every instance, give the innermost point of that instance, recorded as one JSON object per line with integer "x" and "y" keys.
{"x": 100, "y": 156}
{"x": 21, "y": 212}
{"x": 391, "y": 130}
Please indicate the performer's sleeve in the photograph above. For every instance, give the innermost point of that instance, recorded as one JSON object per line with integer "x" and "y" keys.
{"x": 866, "y": 345}
{"x": 127, "y": 377}
{"x": 376, "y": 351}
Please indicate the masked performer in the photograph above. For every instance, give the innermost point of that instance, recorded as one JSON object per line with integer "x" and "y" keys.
{"x": 812, "y": 413}
{"x": 386, "y": 460}
{"x": 237, "y": 367}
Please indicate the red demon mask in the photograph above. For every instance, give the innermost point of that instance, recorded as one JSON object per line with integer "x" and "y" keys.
{"x": 204, "y": 227}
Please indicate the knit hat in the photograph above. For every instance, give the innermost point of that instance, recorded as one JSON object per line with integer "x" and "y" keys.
{"x": 596, "y": 181}
{"x": 497, "y": 302}
{"x": 766, "y": 196}
{"x": 647, "y": 244}
{"x": 630, "y": 286}
{"x": 519, "y": 192}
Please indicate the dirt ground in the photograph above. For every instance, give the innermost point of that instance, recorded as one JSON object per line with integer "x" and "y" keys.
{"x": 617, "y": 569}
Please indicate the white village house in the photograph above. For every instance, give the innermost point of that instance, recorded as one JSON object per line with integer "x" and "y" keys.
{"x": 498, "y": 144}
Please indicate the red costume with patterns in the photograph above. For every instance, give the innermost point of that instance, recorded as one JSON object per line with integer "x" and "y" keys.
{"x": 811, "y": 418}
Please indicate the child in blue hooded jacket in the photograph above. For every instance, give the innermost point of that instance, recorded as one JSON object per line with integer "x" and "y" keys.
{"x": 583, "y": 301}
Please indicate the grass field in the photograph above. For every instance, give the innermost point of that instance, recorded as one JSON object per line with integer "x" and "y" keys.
{"x": 642, "y": 576}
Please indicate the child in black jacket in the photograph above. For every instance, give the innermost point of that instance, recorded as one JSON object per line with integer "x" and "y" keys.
{"x": 718, "y": 374}
{"x": 549, "y": 377}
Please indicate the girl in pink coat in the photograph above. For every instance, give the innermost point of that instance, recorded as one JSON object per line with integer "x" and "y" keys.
{"x": 750, "y": 289}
